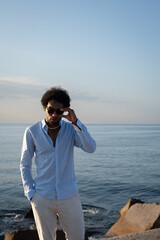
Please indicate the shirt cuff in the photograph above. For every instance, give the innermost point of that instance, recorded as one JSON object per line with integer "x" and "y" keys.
{"x": 79, "y": 126}
{"x": 30, "y": 194}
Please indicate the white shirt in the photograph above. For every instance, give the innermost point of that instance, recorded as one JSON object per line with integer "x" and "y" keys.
{"x": 55, "y": 165}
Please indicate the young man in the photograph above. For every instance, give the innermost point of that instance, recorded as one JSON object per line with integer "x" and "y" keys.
{"x": 53, "y": 191}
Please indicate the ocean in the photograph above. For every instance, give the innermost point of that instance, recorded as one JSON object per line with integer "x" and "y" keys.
{"x": 126, "y": 164}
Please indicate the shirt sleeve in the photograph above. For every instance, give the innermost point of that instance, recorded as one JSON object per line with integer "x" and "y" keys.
{"x": 27, "y": 154}
{"x": 83, "y": 139}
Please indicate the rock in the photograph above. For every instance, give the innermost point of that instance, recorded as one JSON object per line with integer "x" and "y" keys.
{"x": 138, "y": 218}
{"x": 27, "y": 234}
{"x": 153, "y": 234}
{"x": 131, "y": 202}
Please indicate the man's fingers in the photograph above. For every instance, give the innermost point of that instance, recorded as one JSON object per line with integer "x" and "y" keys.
{"x": 64, "y": 116}
{"x": 66, "y": 109}
{"x": 66, "y": 113}
{"x": 70, "y": 115}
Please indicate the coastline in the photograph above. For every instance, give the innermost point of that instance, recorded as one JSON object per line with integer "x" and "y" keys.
{"x": 121, "y": 162}
{"x": 153, "y": 234}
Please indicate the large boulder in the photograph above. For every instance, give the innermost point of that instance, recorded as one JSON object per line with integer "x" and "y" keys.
{"x": 27, "y": 234}
{"x": 138, "y": 218}
{"x": 131, "y": 202}
{"x": 153, "y": 234}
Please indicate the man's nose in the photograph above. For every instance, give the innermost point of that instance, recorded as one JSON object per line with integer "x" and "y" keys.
{"x": 54, "y": 114}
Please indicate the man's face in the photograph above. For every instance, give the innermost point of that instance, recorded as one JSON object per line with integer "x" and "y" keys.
{"x": 53, "y": 112}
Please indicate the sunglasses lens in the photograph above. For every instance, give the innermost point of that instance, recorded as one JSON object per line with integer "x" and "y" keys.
{"x": 59, "y": 112}
{"x": 50, "y": 111}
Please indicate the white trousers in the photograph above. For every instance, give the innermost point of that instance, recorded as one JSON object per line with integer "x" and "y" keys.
{"x": 70, "y": 216}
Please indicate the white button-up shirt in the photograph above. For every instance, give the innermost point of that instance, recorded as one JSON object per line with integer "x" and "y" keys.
{"x": 55, "y": 176}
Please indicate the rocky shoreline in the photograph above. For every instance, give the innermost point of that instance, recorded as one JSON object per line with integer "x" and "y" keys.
{"x": 147, "y": 235}
{"x": 153, "y": 234}
{"x": 138, "y": 221}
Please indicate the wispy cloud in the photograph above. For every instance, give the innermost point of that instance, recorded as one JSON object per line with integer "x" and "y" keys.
{"x": 83, "y": 95}
{"x": 20, "y": 79}
{"x": 15, "y": 90}
{"x": 12, "y": 89}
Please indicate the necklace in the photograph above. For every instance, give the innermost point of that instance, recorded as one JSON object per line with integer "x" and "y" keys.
{"x": 54, "y": 127}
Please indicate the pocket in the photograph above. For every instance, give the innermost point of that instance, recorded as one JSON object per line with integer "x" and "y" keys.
{"x": 38, "y": 201}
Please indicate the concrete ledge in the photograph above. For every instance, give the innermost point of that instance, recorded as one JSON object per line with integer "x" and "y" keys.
{"x": 147, "y": 235}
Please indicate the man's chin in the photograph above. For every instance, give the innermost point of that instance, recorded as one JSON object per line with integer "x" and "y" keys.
{"x": 54, "y": 121}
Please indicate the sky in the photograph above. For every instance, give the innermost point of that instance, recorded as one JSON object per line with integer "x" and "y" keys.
{"x": 105, "y": 53}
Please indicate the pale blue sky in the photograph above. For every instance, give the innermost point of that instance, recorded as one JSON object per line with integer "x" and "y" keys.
{"x": 106, "y": 53}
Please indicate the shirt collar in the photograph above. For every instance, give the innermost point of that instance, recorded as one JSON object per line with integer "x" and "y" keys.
{"x": 45, "y": 126}
{"x": 43, "y": 123}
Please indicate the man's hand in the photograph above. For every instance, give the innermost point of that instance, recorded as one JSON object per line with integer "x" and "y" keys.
{"x": 71, "y": 116}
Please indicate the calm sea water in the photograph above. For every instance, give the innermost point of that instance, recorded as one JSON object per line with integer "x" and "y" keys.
{"x": 126, "y": 164}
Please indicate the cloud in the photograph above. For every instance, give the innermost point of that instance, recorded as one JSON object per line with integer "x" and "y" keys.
{"x": 16, "y": 90}
{"x": 25, "y": 88}
{"x": 24, "y": 80}
{"x": 12, "y": 89}
{"x": 86, "y": 96}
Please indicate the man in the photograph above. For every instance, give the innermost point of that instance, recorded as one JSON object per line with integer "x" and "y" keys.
{"x": 53, "y": 191}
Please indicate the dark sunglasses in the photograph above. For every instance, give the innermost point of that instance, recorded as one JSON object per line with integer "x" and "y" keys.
{"x": 51, "y": 110}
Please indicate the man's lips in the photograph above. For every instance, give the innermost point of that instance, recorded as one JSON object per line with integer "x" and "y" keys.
{"x": 54, "y": 119}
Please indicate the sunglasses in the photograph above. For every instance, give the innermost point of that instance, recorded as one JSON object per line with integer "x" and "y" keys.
{"x": 51, "y": 110}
